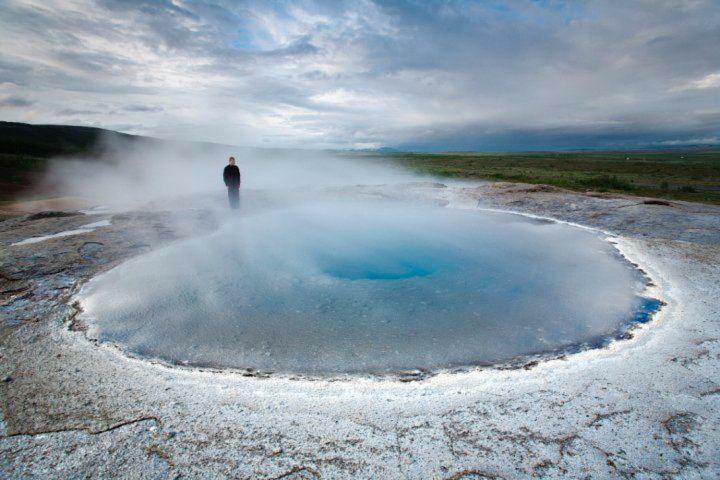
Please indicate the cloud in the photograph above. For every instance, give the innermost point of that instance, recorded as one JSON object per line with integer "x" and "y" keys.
{"x": 15, "y": 102}
{"x": 75, "y": 112}
{"x": 351, "y": 74}
{"x": 711, "y": 80}
{"x": 692, "y": 141}
{"x": 142, "y": 108}
{"x": 301, "y": 46}
{"x": 708, "y": 81}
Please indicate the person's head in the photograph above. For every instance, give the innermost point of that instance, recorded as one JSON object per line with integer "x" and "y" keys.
{"x": 231, "y": 160}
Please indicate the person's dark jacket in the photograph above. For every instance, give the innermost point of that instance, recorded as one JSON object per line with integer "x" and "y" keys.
{"x": 231, "y": 176}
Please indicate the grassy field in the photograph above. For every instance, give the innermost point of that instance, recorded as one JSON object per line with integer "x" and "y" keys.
{"x": 692, "y": 175}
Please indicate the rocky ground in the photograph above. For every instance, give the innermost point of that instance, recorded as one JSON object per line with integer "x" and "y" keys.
{"x": 647, "y": 407}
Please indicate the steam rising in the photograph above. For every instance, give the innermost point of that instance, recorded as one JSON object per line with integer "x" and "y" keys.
{"x": 312, "y": 275}
{"x": 132, "y": 173}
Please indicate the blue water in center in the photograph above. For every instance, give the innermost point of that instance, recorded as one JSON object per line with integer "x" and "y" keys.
{"x": 367, "y": 287}
{"x": 390, "y": 263}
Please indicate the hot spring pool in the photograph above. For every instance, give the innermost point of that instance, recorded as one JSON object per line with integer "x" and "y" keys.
{"x": 367, "y": 287}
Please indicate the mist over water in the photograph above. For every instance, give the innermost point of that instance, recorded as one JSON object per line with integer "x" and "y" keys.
{"x": 316, "y": 275}
{"x": 343, "y": 286}
{"x": 131, "y": 174}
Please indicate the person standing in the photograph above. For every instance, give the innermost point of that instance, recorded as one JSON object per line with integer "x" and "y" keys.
{"x": 231, "y": 176}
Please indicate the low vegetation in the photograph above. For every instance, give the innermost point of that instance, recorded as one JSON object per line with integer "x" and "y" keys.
{"x": 692, "y": 175}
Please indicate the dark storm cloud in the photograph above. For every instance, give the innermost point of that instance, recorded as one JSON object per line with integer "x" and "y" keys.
{"x": 432, "y": 75}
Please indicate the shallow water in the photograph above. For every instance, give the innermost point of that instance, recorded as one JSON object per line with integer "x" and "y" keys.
{"x": 366, "y": 287}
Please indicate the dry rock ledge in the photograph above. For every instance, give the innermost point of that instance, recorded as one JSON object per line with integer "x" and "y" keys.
{"x": 648, "y": 407}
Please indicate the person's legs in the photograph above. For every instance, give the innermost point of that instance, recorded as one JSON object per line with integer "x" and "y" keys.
{"x": 234, "y": 197}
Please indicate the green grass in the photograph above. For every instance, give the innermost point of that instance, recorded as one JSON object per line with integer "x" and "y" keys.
{"x": 681, "y": 175}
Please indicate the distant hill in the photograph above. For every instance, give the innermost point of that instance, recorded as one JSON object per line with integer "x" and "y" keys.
{"x": 54, "y": 140}
{"x": 26, "y": 150}
{"x": 45, "y": 141}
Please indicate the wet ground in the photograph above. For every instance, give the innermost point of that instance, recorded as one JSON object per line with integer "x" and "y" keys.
{"x": 645, "y": 407}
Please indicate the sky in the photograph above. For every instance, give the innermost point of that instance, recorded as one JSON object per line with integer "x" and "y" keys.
{"x": 413, "y": 75}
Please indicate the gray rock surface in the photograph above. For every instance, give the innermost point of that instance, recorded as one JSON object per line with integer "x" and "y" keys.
{"x": 647, "y": 407}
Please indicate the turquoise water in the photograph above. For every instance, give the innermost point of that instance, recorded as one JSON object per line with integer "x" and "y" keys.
{"x": 367, "y": 287}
